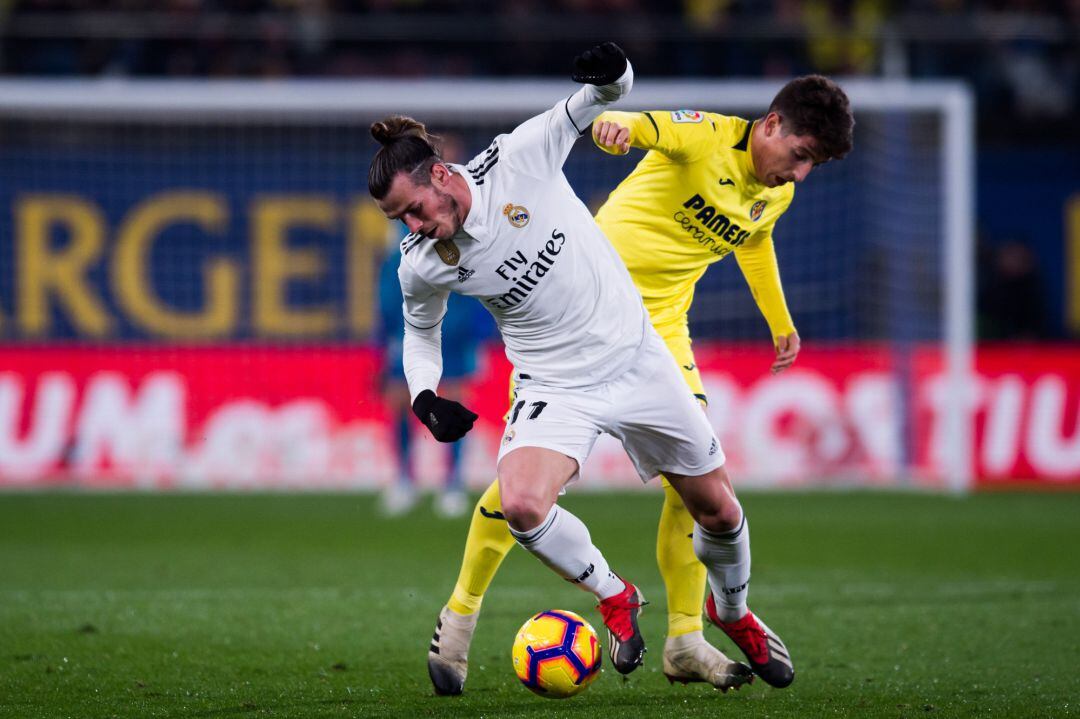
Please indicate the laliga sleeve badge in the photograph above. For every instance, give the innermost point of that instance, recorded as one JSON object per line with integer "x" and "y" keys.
{"x": 686, "y": 116}
{"x": 756, "y": 210}
{"x": 509, "y": 436}
{"x": 448, "y": 251}
{"x": 518, "y": 215}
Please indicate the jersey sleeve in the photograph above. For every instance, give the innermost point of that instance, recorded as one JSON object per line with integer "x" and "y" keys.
{"x": 757, "y": 260}
{"x": 539, "y": 146}
{"x": 680, "y": 135}
{"x": 423, "y": 306}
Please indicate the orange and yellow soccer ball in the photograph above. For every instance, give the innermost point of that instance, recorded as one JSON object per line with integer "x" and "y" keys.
{"x": 556, "y": 654}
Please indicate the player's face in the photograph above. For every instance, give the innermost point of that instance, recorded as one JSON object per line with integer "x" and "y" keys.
{"x": 428, "y": 209}
{"x": 783, "y": 157}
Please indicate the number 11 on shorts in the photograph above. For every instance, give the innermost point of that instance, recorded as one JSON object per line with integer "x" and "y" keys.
{"x": 537, "y": 408}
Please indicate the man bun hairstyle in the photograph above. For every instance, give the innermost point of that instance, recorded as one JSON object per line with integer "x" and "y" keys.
{"x": 406, "y": 147}
{"x": 815, "y": 105}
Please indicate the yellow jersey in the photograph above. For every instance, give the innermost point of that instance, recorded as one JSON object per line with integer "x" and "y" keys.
{"x": 692, "y": 201}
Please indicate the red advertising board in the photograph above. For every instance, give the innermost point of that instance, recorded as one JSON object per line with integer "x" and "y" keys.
{"x": 313, "y": 417}
{"x": 1027, "y": 403}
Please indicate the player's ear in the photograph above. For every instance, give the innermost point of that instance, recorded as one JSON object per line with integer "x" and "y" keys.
{"x": 772, "y": 124}
{"x": 440, "y": 175}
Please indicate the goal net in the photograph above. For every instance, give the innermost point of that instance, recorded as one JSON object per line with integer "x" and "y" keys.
{"x": 189, "y": 292}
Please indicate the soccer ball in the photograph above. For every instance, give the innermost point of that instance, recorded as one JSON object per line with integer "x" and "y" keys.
{"x": 556, "y": 654}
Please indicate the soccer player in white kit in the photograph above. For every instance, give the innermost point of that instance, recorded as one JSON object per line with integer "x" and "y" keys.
{"x": 508, "y": 229}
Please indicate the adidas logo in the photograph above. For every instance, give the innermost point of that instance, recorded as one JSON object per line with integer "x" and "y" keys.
{"x": 713, "y": 447}
{"x": 464, "y": 274}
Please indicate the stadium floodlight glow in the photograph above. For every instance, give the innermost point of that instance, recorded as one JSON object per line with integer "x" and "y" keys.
{"x": 876, "y": 249}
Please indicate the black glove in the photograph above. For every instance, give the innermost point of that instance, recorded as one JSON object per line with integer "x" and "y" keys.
{"x": 448, "y": 420}
{"x": 602, "y": 65}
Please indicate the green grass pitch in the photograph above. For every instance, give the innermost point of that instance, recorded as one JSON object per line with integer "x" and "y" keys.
{"x": 893, "y": 605}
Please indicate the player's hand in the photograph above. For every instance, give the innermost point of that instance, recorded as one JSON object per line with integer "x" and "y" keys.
{"x": 602, "y": 65}
{"x": 611, "y": 137}
{"x": 787, "y": 349}
{"x": 448, "y": 420}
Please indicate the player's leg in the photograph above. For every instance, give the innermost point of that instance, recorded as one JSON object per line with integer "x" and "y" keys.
{"x": 722, "y": 543}
{"x": 487, "y": 543}
{"x": 721, "y": 540}
{"x": 665, "y": 432}
{"x": 683, "y": 574}
{"x": 530, "y": 479}
{"x": 688, "y": 656}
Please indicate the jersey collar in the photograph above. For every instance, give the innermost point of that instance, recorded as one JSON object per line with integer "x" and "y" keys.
{"x": 746, "y": 156}
{"x": 474, "y": 222}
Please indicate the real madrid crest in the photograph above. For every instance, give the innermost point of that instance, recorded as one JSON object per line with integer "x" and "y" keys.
{"x": 518, "y": 215}
{"x": 756, "y": 210}
{"x": 448, "y": 251}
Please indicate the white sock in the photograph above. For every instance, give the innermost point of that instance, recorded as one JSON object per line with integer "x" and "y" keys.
{"x": 563, "y": 543}
{"x": 726, "y": 556}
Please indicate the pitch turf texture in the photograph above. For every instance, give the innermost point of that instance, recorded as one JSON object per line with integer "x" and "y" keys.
{"x": 893, "y": 605}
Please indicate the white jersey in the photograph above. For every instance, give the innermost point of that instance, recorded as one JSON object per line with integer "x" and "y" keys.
{"x": 532, "y": 254}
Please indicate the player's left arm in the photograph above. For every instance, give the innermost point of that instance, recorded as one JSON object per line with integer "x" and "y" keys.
{"x": 540, "y": 145}
{"x": 757, "y": 260}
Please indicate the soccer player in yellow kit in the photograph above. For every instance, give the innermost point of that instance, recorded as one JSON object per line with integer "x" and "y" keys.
{"x": 710, "y": 185}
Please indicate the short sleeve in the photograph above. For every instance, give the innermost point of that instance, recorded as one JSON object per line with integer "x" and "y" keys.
{"x": 682, "y": 135}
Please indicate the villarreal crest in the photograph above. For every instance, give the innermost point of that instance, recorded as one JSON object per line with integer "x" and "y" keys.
{"x": 756, "y": 210}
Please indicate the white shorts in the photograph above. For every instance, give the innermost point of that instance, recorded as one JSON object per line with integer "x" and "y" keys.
{"x": 650, "y": 409}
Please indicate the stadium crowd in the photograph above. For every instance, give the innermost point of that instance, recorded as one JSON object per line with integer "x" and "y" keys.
{"x": 1022, "y": 56}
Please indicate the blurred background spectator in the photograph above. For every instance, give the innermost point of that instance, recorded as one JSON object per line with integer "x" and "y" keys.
{"x": 1009, "y": 301}
{"x": 1022, "y": 56}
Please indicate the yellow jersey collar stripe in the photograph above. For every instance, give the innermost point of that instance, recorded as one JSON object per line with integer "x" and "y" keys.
{"x": 744, "y": 142}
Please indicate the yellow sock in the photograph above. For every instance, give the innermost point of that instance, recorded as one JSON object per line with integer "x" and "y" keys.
{"x": 684, "y": 576}
{"x": 488, "y": 542}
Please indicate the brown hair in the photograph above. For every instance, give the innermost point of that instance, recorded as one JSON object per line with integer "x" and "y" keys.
{"x": 406, "y": 147}
{"x": 815, "y": 105}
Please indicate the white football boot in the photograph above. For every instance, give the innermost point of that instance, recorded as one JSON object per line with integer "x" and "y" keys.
{"x": 689, "y": 658}
{"x": 448, "y": 655}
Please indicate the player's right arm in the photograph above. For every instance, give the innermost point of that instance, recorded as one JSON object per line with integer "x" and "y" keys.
{"x": 424, "y": 308}
{"x": 680, "y": 135}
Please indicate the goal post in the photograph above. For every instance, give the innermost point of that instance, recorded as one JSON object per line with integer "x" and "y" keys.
{"x": 265, "y": 179}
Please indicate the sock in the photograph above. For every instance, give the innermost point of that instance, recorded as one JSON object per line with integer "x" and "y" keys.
{"x": 683, "y": 574}
{"x": 563, "y": 543}
{"x": 726, "y": 556}
{"x": 488, "y": 542}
